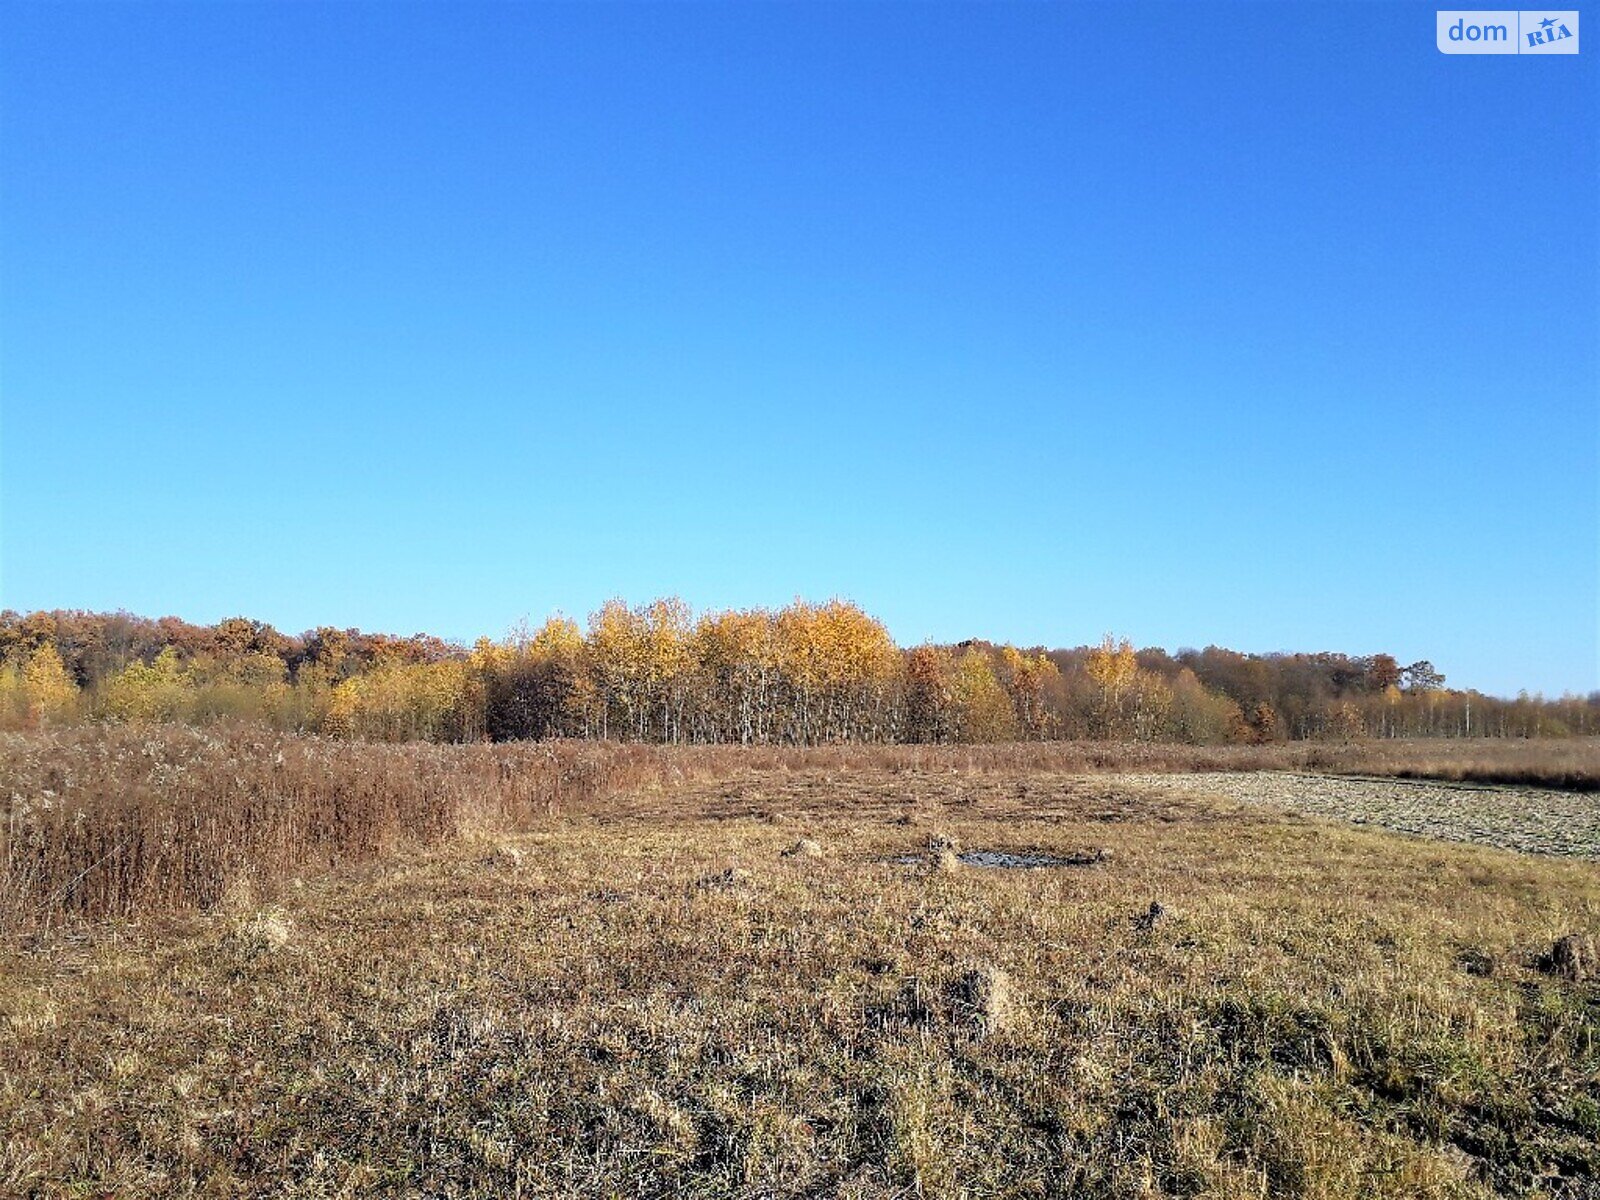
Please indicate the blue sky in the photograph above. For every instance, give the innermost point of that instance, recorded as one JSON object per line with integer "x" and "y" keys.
{"x": 1260, "y": 325}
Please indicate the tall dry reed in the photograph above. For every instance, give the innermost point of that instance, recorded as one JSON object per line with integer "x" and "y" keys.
{"x": 119, "y": 821}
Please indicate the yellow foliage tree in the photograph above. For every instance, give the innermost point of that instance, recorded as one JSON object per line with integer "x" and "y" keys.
{"x": 668, "y": 632}
{"x": 841, "y": 670}
{"x": 154, "y": 691}
{"x": 1027, "y": 680}
{"x": 930, "y": 712}
{"x": 407, "y": 701}
{"x": 984, "y": 712}
{"x": 1113, "y": 668}
{"x": 49, "y": 691}
{"x": 739, "y": 672}
{"x": 342, "y": 711}
{"x": 1150, "y": 700}
{"x": 1199, "y": 716}
{"x": 618, "y": 656}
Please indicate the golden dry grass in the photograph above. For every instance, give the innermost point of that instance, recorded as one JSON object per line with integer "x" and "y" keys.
{"x": 115, "y": 821}
{"x": 652, "y": 998}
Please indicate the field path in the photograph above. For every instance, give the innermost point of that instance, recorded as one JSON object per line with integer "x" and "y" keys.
{"x": 1532, "y": 820}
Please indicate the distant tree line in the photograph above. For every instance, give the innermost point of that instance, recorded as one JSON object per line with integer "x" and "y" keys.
{"x": 803, "y": 674}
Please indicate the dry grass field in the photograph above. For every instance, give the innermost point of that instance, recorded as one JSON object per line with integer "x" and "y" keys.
{"x": 125, "y": 821}
{"x": 778, "y": 978}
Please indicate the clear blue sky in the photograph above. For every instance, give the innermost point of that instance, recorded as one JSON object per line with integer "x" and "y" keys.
{"x": 1264, "y": 325}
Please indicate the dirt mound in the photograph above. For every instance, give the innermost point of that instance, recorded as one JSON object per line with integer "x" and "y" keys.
{"x": 1575, "y": 957}
{"x": 265, "y": 932}
{"x": 987, "y": 999}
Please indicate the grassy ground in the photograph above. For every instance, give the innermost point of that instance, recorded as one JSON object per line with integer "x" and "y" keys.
{"x": 651, "y": 998}
{"x": 116, "y": 821}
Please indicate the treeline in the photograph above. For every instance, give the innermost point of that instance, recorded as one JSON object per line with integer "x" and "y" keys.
{"x": 801, "y": 675}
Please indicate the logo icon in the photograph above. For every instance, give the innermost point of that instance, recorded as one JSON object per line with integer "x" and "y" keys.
{"x": 1549, "y": 31}
{"x": 1507, "y": 31}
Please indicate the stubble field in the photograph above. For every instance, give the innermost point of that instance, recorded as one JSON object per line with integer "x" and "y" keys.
{"x": 787, "y": 982}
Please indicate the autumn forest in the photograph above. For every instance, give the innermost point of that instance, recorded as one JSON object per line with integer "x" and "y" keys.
{"x": 804, "y": 674}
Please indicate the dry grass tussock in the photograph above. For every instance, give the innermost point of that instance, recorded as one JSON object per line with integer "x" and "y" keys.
{"x": 1236, "y": 1002}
